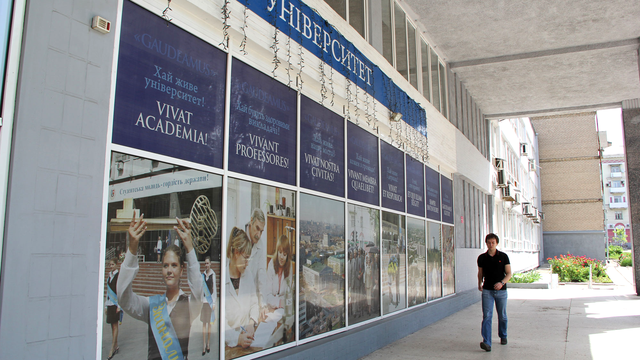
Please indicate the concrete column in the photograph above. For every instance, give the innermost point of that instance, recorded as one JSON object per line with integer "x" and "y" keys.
{"x": 631, "y": 124}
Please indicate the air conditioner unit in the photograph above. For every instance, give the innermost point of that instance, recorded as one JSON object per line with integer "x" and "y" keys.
{"x": 540, "y": 215}
{"x": 516, "y": 199}
{"x": 534, "y": 213}
{"x": 526, "y": 209}
{"x": 502, "y": 178}
{"x": 499, "y": 163}
{"x": 524, "y": 149}
{"x": 610, "y": 226}
{"x": 508, "y": 193}
{"x": 532, "y": 165}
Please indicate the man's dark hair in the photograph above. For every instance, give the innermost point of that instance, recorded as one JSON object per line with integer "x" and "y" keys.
{"x": 492, "y": 236}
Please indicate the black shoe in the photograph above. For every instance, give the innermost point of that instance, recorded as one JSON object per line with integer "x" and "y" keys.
{"x": 485, "y": 347}
{"x": 503, "y": 341}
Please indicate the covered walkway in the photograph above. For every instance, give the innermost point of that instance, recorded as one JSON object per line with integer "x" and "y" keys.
{"x": 569, "y": 322}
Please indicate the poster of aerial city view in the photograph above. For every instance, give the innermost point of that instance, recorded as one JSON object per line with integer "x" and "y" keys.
{"x": 448, "y": 261}
{"x": 417, "y": 262}
{"x": 322, "y": 261}
{"x": 434, "y": 261}
{"x": 394, "y": 262}
{"x": 363, "y": 269}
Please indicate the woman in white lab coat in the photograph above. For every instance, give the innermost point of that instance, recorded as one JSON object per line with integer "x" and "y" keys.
{"x": 278, "y": 280}
{"x": 241, "y": 307}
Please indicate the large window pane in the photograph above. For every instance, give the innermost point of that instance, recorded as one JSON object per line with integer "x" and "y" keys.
{"x": 434, "y": 261}
{"x": 413, "y": 67}
{"x": 322, "y": 265}
{"x": 401, "y": 41}
{"x": 434, "y": 80}
{"x": 416, "y": 262}
{"x": 443, "y": 91}
{"x": 393, "y": 263}
{"x": 364, "y": 263}
{"x": 387, "y": 39}
{"x": 340, "y": 6}
{"x": 357, "y": 16}
{"x": 426, "y": 80}
{"x": 449, "y": 261}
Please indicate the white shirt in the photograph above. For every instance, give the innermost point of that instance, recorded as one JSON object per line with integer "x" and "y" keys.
{"x": 240, "y": 308}
{"x": 138, "y": 306}
{"x": 276, "y": 287}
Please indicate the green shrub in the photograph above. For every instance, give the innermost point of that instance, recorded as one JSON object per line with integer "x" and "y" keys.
{"x": 525, "y": 277}
{"x": 571, "y": 268}
{"x": 615, "y": 251}
{"x": 625, "y": 259}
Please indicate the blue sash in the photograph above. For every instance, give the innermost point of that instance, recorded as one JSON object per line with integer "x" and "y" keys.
{"x": 111, "y": 295}
{"x": 207, "y": 295}
{"x": 163, "y": 332}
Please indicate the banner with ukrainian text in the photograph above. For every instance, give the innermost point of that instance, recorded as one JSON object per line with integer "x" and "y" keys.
{"x": 415, "y": 187}
{"x": 433, "y": 194}
{"x": 169, "y": 90}
{"x": 392, "y": 179}
{"x": 321, "y": 148}
{"x": 447, "y": 199}
{"x": 262, "y": 126}
{"x": 362, "y": 165}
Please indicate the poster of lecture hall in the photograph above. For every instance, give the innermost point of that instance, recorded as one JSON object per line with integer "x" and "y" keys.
{"x": 392, "y": 179}
{"x": 259, "y": 290}
{"x": 321, "y": 148}
{"x": 159, "y": 193}
{"x": 169, "y": 90}
{"x": 322, "y": 266}
{"x": 262, "y": 126}
{"x": 363, "y": 263}
{"x": 362, "y": 165}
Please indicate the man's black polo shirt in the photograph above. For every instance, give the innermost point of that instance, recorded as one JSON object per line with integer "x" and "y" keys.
{"x": 493, "y": 268}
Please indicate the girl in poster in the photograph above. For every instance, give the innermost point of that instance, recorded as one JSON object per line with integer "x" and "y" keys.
{"x": 169, "y": 315}
{"x": 278, "y": 270}
{"x": 242, "y": 313}
{"x": 207, "y": 315}
{"x": 113, "y": 311}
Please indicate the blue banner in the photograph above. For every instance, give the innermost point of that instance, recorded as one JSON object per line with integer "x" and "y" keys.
{"x": 262, "y": 126}
{"x": 415, "y": 187}
{"x": 433, "y": 194}
{"x": 447, "y": 199}
{"x": 306, "y": 27}
{"x": 362, "y": 165}
{"x": 392, "y": 178}
{"x": 321, "y": 148}
{"x": 163, "y": 332}
{"x": 169, "y": 90}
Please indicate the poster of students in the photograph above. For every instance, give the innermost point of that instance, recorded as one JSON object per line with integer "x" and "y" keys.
{"x": 159, "y": 206}
{"x": 170, "y": 89}
{"x": 363, "y": 263}
{"x": 434, "y": 261}
{"x": 448, "y": 261}
{"x": 394, "y": 291}
{"x": 322, "y": 265}
{"x": 259, "y": 287}
{"x": 417, "y": 261}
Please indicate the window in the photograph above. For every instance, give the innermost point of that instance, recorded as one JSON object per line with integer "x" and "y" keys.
{"x": 340, "y": 6}
{"x": 357, "y": 16}
{"x": 618, "y": 215}
{"x": 443, "y": 91}
{"x": 401, "y": 41}
{"x": 434, "y": 80}
{"x": 387, "y": 38}
{"x": 615, "y": 168}
{"x": 617, "y": 184}
{"x": 413, "y": 67}
{"x": 617, "y": 199}
{"x": 426, "y": 82}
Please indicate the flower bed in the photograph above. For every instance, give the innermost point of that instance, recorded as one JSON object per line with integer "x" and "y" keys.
{"x": 572, "y": 268}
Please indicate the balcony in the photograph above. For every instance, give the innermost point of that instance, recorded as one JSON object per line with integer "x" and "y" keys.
{"x": 619, "y": 205}
{"x": 616, "y": 175}
{"x": 618, "y": 190}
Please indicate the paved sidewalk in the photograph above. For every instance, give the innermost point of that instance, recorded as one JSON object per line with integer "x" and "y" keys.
{"x": 570, "y": 322}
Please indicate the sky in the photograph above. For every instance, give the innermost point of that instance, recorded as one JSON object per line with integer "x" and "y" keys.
{"x": 611, "y": 121}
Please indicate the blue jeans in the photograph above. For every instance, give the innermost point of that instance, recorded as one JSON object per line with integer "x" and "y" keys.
{"x": 488, "y": 298}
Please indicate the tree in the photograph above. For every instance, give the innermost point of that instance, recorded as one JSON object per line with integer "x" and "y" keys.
{"x": 620, "y": 235}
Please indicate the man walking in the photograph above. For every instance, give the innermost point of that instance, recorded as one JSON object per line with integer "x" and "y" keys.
{"x": 494, "y": 271}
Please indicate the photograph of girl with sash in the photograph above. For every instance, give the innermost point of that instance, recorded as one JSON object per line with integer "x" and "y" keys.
{"x": 169, "y": 315}
{"x": 113, "y": 310}
{"x": 208, "y": 314}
